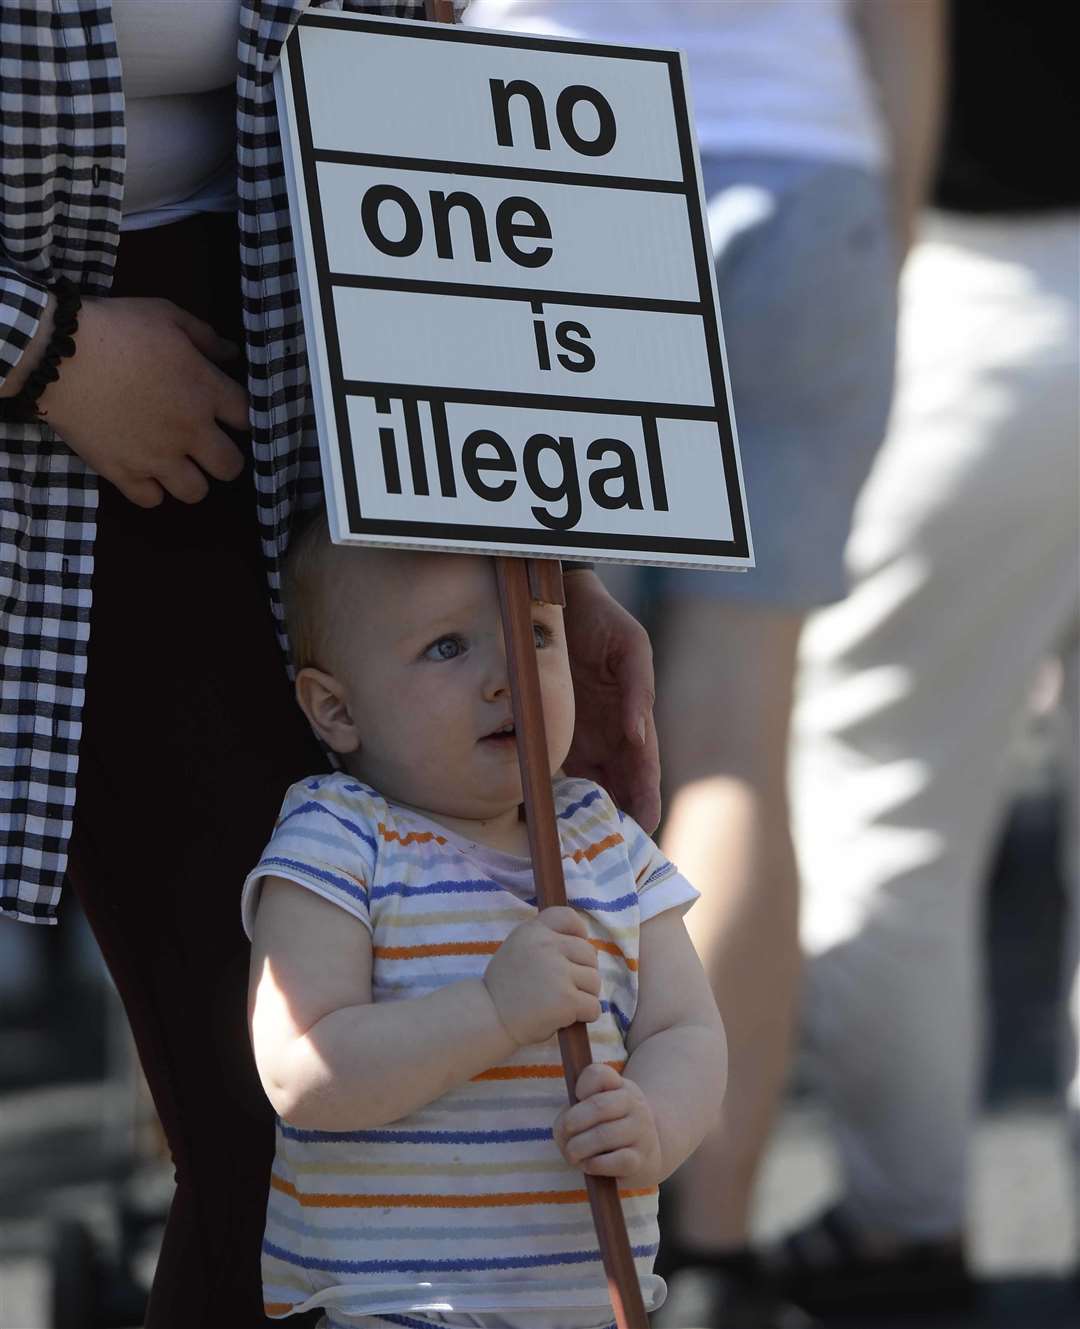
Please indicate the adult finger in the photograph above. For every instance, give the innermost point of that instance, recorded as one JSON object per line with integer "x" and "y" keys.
{"x": 183, "y": 479}
{"x": 140, "y": 490}
{"x": 231, "y": 403}
{"x": 634, "y": 674}
{"x": 637, "y": 780}
{"x": 218, "y": 455}
{"x": 203, "y": 337}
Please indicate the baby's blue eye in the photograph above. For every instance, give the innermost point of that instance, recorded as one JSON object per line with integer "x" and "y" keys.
{"x": 541, "y": 636}
{"x": 446, "y": 648}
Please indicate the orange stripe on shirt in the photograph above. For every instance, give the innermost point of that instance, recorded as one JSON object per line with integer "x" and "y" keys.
{"x": 492, "y": 1200}
{"x": 482, "y": 948}
{"x": 411, "y": 837}
{"x": 609, "y": 948}
{"x": 436, "y": 948}
{"x": 541, "y": 1072}
{"x": 591, "y": 851}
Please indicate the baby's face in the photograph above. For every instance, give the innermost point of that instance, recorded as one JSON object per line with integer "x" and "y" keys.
{"x": 419, "y": 652}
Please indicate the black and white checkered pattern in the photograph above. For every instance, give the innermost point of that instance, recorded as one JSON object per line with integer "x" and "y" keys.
{"x": 62, "y": 145}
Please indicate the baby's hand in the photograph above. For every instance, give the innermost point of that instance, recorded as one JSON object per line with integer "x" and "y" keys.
{"x": 544, "y": 977}
{"x": 610, "y": 1131}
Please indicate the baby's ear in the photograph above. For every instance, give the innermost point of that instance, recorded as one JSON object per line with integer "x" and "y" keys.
{"x": 322, "y": 699}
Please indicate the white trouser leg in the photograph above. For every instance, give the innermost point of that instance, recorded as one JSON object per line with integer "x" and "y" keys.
{"x": 964, "y": 556}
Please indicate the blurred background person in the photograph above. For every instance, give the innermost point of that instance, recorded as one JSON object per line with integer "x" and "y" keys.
{"x": 815, "y": 123}
{"x": 965, "y": 560}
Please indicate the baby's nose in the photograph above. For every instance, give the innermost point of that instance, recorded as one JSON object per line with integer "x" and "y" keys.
{"x": 496, "y": 672}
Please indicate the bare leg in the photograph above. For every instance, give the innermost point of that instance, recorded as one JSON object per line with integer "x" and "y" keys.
{"x": 724, "y": 703}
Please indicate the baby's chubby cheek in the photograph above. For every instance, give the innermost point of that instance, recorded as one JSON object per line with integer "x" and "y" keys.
{"x": 560, "y": 734}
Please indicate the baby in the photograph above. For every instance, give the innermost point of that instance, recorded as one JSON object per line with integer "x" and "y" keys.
{"x": 406, "y": 994}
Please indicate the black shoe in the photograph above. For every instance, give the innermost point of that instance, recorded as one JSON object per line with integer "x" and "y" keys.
{"x": 828, "y": 1266}
{"x": 727, "y": 1294}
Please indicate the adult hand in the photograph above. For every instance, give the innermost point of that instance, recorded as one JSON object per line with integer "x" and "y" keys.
{"x": 614, "y": 688}
{"x": 142, "y": 397}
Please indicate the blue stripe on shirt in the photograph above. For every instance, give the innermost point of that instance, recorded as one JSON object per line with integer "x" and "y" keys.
{"x": 313, "y": 806}
{"x": 518, "y": 1135}
{"x": 571, "y": 808}
{"x": 321, "y": 874}
{"x": 604, "y": 906}
{"x": 622, "y": 1020}
{"x": 477, "y": 885}
{"x": 446, "y": 1266}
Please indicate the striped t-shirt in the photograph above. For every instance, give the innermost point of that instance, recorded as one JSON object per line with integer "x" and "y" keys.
{"x": 466, "y": 1204}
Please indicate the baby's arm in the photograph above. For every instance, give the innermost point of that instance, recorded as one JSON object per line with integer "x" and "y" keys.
{"x": 639, "y": 1126}
{"x": 330, "y": 1059}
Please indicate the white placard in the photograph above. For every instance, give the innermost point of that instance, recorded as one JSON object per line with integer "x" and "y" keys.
{"x": 508, "y": 294}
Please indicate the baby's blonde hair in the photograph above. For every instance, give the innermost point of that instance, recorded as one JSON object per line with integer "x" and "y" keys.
{"x": 315, "y": 576}
{"x": 303, "y": 588}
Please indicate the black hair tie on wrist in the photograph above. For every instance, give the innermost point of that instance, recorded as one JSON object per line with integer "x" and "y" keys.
{"x": 23, "y": 407}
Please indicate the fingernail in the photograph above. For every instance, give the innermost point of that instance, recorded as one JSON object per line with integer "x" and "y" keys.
{"x": 641, "y": 731}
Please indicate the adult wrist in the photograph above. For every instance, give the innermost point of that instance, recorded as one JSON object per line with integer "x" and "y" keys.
{"x": 53, "y": 343}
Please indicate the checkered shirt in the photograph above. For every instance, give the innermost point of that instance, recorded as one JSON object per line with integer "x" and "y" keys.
{"x": 62, "y": 146}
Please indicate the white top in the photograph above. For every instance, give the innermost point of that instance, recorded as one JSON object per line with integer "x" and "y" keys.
{"x": 774, "y": 77}
{"x": 179, "y": 72}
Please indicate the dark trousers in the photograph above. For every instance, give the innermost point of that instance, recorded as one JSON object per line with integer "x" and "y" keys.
{"x": 190, "y": 738}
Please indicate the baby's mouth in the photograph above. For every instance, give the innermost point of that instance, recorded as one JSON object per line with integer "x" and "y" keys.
{"x": 506, "y": 733}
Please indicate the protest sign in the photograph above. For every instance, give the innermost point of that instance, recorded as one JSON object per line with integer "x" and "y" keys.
{"x": 508, "y": 295}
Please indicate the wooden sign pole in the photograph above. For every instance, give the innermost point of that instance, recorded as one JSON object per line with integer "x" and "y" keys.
{"x": 520, "y": 581}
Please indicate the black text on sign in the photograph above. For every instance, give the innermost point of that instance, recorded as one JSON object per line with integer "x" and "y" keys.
{"x": 509, "y": 295}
